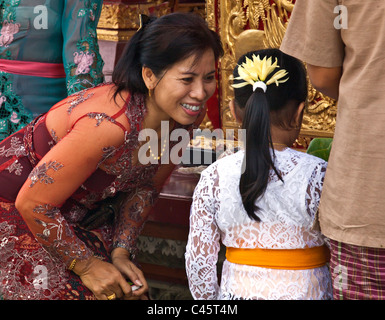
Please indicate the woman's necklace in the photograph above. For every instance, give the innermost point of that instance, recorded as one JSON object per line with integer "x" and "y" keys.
{"x": 157, "y": 157}
{"x": 164, "y": 145}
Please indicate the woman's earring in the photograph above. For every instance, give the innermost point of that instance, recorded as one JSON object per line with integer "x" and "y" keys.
{"x": 149, "y": 93}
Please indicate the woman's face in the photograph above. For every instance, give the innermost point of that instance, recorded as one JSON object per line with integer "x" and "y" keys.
{"x": 182, "y": 91}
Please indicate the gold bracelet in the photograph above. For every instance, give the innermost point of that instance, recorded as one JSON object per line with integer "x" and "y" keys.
{"x": 72, "y": 265}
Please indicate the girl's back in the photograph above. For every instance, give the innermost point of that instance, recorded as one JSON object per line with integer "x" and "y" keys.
{"x": 290, "y": 205}
{"x": 287, "y": 213}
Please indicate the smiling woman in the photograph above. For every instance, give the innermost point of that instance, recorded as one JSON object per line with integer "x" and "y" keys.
{"x": 174, "y": 62}
{"x": 182, "y": 91}
{"x": 55, "y": 173}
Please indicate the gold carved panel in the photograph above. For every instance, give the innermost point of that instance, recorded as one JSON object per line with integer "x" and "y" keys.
{"x": 119, "y": 21}
{"x": 246, "y": 25}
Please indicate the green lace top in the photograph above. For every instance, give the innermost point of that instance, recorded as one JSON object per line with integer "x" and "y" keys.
{"x": 48, "y": 31}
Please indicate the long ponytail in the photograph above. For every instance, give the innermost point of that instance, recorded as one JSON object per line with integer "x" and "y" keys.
{"x": 258, "y": 160}
{"x": 262, "y": 92}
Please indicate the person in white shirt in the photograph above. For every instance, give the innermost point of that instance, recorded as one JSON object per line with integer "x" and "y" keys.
{"x": 262, "y": 201}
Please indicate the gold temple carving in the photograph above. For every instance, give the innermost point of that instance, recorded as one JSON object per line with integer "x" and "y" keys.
{"x": 119, "y": 21}
{"x": 256, "y": 24}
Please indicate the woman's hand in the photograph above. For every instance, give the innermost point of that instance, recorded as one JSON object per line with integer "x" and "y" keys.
{"x": 103, "y": 279}
{"x": 121, "y": 260}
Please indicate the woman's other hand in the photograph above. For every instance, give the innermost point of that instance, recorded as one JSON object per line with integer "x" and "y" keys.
{"x": 121, "y": 260}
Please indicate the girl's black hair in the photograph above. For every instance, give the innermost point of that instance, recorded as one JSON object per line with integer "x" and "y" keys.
{"x": 159, "y": 44}
{"x": 258, "y": 107}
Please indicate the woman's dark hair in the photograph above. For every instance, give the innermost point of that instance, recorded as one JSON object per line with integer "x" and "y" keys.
{"x": 260, "y": 110}
{"x": 160, "y": 43}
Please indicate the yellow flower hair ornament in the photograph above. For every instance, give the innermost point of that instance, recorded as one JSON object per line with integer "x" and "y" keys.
{"x": 255, "y": 72}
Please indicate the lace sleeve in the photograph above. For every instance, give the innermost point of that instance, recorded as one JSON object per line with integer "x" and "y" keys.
{"x": 203, "y": 240}
{"x": 54, "y": 180}
{"x": 81, "y": 58}
{"x": 132, "y": 217}
{"x": 314, "y": 190}
{"x": 136, "y": 210}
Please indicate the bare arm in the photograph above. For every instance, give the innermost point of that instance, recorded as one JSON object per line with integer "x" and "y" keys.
{"x": 325, "y": 80}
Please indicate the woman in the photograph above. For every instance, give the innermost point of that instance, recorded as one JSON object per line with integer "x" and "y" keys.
{"x": 43, "y": 61}
{"x": 84, "y": 150}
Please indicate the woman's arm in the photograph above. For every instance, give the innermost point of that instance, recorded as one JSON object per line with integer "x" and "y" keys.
{"x": 132, "y": 217}
{"x": 137, "y": 207}
{"x": 55, "y": 178}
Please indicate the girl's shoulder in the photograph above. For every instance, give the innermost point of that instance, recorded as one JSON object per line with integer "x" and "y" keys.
{"x": 227, "y": 164}
{"x": 294, "y": 164}
{"x": 300, "y": 157}
{"x": 232, "y": 159}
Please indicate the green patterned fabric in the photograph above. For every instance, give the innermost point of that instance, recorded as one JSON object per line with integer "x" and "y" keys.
{"x": 48, "y": 31}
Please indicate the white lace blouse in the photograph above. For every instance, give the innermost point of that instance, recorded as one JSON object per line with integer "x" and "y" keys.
{"x": 288, "y": 214}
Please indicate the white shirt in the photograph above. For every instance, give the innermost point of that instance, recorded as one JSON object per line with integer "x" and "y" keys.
{"x": 288, "y": 214}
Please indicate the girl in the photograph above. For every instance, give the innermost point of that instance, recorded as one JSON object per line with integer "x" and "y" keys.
{"x": 261, "y": 202}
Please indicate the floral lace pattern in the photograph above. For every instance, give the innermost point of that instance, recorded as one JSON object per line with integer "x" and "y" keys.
{"x": 77, "y": 99}
{"x": 86, "y": 70}
{"x": 40, "y": 173}
{"x": 13, "y": 115}
{"x": 8, "y": 30}
{"x": 16, "y": 149}
{"x": 45, "y": 273}
{"x": 287, "y": 217}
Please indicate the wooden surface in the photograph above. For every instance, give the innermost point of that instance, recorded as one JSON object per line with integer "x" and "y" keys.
{"x": 170, "y": 220}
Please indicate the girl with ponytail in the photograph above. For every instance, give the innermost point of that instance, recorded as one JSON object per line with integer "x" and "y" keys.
{"x": 262, "y": 201}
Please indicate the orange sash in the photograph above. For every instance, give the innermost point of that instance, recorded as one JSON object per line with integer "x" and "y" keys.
{"x": 293, "y": 259}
